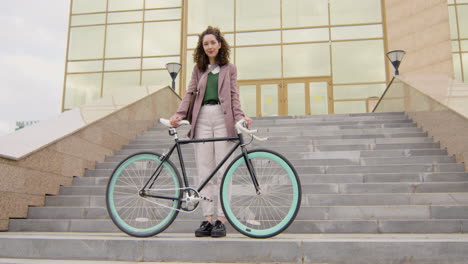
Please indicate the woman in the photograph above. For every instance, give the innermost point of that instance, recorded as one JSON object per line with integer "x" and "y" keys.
{"x": 216, "y": 110}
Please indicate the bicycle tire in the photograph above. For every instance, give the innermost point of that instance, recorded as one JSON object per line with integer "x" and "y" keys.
{"x": 269, "y": 213}
{"x": 143, "y": 216}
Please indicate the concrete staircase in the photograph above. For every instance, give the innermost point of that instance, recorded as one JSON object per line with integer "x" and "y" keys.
{"x": 375, "y": 187}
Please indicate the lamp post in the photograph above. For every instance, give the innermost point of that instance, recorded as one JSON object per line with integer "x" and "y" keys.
{"x": 173, "y": 68}
{"x": 395, "y": 57}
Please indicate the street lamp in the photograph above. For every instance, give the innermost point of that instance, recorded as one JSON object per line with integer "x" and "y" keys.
{"x": 395, "y": 57}
{"x": 173, "y": 68}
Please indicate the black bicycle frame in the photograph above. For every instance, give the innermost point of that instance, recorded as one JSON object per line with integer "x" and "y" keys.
{"x": 177, "y": 145}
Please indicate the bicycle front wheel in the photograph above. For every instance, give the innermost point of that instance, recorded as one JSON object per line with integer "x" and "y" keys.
{"x": 271, "y": 210}
{"x": 139, "y": 215}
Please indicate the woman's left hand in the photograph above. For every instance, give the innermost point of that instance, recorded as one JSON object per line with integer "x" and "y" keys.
{"x": 248, "y": 120}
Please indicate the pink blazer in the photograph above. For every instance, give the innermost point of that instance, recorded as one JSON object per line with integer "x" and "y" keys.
{"x": 228, "y": 97}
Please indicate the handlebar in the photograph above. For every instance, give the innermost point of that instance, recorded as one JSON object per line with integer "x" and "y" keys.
{"x": 240, "y": 126}
{"x": 167, "y": 123}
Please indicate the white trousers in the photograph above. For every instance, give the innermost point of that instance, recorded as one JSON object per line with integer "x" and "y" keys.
{"x": 207, "y": 155}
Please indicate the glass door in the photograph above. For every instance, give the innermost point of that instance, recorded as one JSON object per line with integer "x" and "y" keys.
{"x": 304, "y": 96}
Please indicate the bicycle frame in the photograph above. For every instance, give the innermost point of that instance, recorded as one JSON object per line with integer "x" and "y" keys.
{"x": 239, "y": 143}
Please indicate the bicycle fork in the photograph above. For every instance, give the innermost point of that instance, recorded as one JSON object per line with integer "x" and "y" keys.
{"x": 251, "y": 170}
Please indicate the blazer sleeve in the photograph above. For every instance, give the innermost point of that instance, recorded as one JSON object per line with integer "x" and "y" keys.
{"x": 235, "y": 102}
{"x": 192, "y": 88}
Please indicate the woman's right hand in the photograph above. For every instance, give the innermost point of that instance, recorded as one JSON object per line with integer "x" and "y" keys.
{"x": 175, "y": 120}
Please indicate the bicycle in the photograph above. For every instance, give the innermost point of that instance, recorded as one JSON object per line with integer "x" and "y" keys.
{"x": 260, "y": 191}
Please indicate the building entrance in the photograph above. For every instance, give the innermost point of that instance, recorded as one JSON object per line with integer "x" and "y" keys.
{"x": 282, "y": 97}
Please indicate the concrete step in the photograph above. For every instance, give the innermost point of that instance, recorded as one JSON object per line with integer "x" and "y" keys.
{"x": 189, "y": 154}
{"x": 311, "y": 122}
{"x": 316, "y": 130}
{"x": 327, "y": 188}
{"x": 331, "y": 178}
{"x": 402, "y": 168}
{"x": 328, "y": 161}
{"x": 307, "y": 212}
{"x": 311, "y": 226}
{"x": 164, "y": 140}
{"x": 162, "y": 132}
{"x": 297, "y": 144}
{"x": 285, "y": 248}
{"x": 356, "y": 199}
{"x": 319, "y": 148}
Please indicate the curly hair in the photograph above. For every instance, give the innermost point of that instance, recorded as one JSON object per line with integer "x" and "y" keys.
{"x": 200, "y": 57}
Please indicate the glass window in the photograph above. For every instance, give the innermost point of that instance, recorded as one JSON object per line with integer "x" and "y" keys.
{"x": 88, "y": 6}
{"x": 86, "y": 43}
{"x": 455, "y": 46}
{"x": 269, "y": 99}
{"x": 122, "y": 64}
{"x": 163, "y": 14}
{"x": 162, "y": 38}
{"x": 248, "y": 99}
{"x": 358, "y": 61}
{"x": 81, "y": 20}
{"x": 296, "y": 99}
{"x": 119, "y": 17}
{"x": 124, "y": 40}
{"x": 160, "y": 77}
{"x": 159, "y": 63}
{"x": 84, "y": 66}
{"x": 305, "y": 13}
{"x": 465, "y": 66}
{"x": 318, "y": 98}
{"x": 358, "y": 91}
{"x": 217, "y": 13}
{"x": 457, "y": 69}
{"x": 81, "y": 89}
{"x": 192, "y": 42}
{"x": 306, "y": 60}
{"x": 354, "y": 12}
{"x": 258, "y": 62}
{"x": 356, "y": 32}
{"x": 116, "y": 5}
{"x": 453, "y": 22}
{"x": 464, "y": 45}
{"x": 304, "y": 35}
{"x": 162, "y": 3}
{"x": 114, "y": 81}
{"x": 350, "y": 107}
{"x": 255, "y": 38}
{"x": 463, "y": 20}
{"x": 259, "y": 14}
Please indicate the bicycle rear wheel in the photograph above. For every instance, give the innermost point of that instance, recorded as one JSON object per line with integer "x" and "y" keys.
{"x": 137, "y": 215}
{"x": 271, "y": 211}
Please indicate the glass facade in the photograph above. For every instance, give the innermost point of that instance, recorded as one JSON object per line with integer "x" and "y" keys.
{"x": 294, "y": 57}
{"x": 458, "y": 14}
{"x": 120, "y": 44}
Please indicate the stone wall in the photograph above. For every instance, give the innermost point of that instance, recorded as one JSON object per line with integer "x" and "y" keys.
{"x": 26, "y": 181}
{"x": 422, "y": 29}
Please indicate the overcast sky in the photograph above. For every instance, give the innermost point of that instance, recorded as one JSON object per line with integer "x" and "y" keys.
{"x": 32, "y": 59}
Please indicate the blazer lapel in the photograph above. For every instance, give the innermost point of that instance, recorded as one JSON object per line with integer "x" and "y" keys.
{"x": 222, "y": 75}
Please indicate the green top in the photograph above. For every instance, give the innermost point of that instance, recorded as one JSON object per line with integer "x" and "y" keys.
{"x": 211, "y": 92}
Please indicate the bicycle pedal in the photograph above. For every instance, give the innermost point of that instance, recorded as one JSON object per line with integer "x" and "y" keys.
{"x": 207, "y": 199}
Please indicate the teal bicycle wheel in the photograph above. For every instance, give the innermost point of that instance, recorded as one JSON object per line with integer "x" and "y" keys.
{"x": 274, "y": 208}
{"x": 137, "y": 215}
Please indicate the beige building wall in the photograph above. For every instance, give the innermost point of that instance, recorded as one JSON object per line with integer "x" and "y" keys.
{"x": 422, "y": 29}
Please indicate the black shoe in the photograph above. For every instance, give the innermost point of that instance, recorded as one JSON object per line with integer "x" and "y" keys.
{"x": 219, "y": 230}
{"x": 204, "y": 229}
